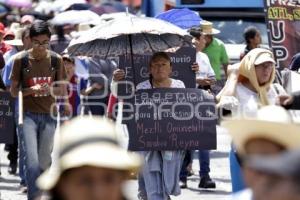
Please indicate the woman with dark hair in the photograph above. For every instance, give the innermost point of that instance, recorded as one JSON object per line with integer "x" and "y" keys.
{"x": 252, "y": 38}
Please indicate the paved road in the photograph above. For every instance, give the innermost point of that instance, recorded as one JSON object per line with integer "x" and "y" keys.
{"x": 9, "y": 185}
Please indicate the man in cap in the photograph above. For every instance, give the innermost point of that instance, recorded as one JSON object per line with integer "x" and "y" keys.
{"x": 214, "y": 49}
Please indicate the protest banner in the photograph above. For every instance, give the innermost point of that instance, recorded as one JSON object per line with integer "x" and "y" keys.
{"x": 7, "y": 126}
{"x": 283, "y": 19}
{"x": 137, "y": 71}
{"x": 171, "y": 119}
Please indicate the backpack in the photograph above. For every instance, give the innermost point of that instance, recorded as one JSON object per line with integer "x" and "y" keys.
{"x": 25, "y": 61}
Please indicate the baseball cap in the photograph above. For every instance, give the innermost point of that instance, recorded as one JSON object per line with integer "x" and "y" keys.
{"x": 264, "y": 57}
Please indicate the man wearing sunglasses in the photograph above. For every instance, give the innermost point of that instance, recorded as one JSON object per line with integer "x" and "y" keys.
{"x": 34, "y": 73}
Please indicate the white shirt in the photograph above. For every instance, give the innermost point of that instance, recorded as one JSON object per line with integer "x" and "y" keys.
{"x": 248, "y": 99}
{"x": 205, "y": 69}
{"x": 147, "y": 85}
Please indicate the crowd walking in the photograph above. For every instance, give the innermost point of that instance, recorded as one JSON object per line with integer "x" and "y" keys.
{"x": 71, "y": 136}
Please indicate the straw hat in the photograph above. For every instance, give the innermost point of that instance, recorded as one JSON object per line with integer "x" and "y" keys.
{"x": 272, "y": 123}
{"x": 87, "y": 141}
{"x": 207, "y": 28}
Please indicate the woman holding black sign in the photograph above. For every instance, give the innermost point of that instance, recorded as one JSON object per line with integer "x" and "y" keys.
{"x": 162, "y": 168}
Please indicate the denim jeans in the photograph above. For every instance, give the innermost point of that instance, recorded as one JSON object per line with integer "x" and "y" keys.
{"x": 38, "y": 132}
{"x": 204, "y": 160}
{"x": 188, "y": 158}
{"x": 161, "y": 174}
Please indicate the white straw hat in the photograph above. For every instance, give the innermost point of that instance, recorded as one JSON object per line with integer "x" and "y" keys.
{"x": 272, "y": 123}
{"x": 86, "y": 141}
{"x": 207, "y": 28}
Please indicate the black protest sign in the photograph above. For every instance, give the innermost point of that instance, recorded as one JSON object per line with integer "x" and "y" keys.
{"x": 171, "y": 119}
{"x": 182, "y": 61}
{"x": 7, "y": 125}
{"x": 137, "y": 71}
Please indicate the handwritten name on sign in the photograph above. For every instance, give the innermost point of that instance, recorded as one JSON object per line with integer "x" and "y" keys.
{"x": 138, "y": 71}
{"x": 171, "y": 119}
{"x": 7, "y": 126}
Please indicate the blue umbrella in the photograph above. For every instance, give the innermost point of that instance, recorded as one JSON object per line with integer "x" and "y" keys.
{"x": 3, "y": 9}
{"x": 184, "y": 18}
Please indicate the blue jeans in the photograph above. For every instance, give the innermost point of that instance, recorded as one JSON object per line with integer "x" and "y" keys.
{"x": 188, "y": 158}
{"x": 38, "y": 132}
{"x": 204, "y": 160}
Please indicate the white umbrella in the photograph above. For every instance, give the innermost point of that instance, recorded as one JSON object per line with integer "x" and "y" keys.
{"x": 128, "y": 35}
{"x": 76, "y": 17}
